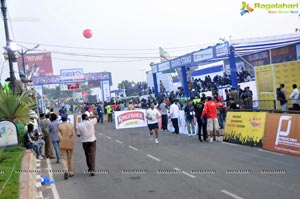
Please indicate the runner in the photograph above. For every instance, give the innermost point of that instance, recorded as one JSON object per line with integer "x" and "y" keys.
{"x": 152, "y": 116}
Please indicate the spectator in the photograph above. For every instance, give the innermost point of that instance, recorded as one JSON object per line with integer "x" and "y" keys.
{"x": 295, "y": 98}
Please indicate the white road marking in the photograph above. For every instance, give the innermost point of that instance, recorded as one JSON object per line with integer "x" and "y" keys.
{"x": 119, "y": 141}
{"x": 176, "y": 169}
{"x": 230, "y": 194}
{"x": 108, "y": 137}
{"x": 53, "y": 187}
{"x": 100, "y": 133}
{"x": 190, "y": 175}
{"x": 154, "y": 158}
{"x": 133, "y": 148}
{"x": 271, "y": 152}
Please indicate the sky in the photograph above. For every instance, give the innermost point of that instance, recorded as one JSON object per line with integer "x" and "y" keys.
{"x": 128, "y": 33}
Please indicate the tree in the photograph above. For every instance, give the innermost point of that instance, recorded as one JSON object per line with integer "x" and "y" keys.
{"x": 16, "y": 107}
{"x": 125, "y": 84}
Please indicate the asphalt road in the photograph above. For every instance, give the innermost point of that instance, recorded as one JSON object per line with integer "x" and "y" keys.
{"x": 179, "y": 167}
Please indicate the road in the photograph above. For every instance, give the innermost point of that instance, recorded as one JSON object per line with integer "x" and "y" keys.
{"x": 179, "y": 167}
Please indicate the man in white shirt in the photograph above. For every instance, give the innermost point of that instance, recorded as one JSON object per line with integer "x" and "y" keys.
{"x": 86, "y": 131}
{"x": 174, "y": 112}
{"x": 152, "y": 115}
{"x": 295, "y": 98}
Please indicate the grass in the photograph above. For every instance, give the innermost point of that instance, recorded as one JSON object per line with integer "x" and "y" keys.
{"x": 9, "y": 156}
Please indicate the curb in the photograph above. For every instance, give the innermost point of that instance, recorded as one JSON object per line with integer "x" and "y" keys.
{"x": 30, "y": 179}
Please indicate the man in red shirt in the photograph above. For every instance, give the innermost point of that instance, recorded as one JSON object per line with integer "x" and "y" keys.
{"x": 210, "y": 111}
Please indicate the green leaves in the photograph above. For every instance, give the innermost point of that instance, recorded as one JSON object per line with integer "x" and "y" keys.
{"x": 16, "y": 107}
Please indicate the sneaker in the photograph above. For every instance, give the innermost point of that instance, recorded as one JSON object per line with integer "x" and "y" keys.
{"x": 190, "y": 135}
{"x": 211, "y": 140}
{"x": 66, "y": 176}
{"x": 40, "y": 158}
{"x": 156, "y": 141}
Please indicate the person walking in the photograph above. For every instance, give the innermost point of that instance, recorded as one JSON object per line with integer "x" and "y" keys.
{"x": 202, "y": 124}
{"x": 100, "y": 113}
{"x": 152, "y": 115}
{"x": 53, "y": 129}
{"x": 295, "y": 98}
{"x": 189, "y": 118}
{"x": 164, "y": 114}
{"x": 86, "y": 131}
{"x": 44, "y": 124}
{"x": 210, "y": 112}
{"x": 67, "y": 135}
{"x": 174, "y": 112}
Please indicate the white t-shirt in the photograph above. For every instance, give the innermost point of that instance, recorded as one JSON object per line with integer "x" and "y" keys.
{"x": 86, "y": 130}
{"x": 154, "y": 114}
{"x": 174, "y": 111}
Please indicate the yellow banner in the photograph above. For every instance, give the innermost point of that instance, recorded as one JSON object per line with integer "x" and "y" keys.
{"x": 245, "y": 128}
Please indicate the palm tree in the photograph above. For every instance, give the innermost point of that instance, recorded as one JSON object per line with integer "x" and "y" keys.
{"x": 16, "y": 107}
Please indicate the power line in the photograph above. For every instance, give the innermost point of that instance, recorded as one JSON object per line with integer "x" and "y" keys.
{"x": 113, "y": 49}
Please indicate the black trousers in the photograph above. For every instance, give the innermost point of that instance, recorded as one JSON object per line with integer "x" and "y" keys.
{"x": 175, "y": 125}
{"x": 164, "y": 119}
{"x": 204, "y": 129}
{"x": 109, "y": 118}
{"x": 90, "y": 154}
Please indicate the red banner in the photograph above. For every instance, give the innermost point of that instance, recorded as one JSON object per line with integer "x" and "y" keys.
{"x": 35, "y": 65}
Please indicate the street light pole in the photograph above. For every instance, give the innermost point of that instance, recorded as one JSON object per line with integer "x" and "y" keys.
{"x": 9, "y": 51}
{"x": 22, "y": 53}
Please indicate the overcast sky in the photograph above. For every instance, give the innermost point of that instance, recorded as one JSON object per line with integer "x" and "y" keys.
{"x": 179, "y": 26}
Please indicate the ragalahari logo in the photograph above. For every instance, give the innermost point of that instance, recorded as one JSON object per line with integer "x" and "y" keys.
{"x": 246, "y": 8}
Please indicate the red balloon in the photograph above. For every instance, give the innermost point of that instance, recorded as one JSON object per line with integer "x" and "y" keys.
{"x": 87, "y": 33}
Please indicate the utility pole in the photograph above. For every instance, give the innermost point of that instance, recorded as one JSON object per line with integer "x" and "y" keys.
{"x": 10, "y": 53}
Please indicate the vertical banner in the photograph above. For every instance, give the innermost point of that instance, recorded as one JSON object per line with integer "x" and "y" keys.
{"x": 36, "y": 64}
{"x": 265, "y": 86}
{"x": 245, "y": 128}
{"x": 282, "y": 134}
{"x": 40, "y": 97}
{"x": 105, "y": 87}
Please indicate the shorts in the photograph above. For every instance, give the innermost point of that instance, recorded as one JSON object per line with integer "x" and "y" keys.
{"x": 212, "y": 123}
{"x": 153, "y": 126}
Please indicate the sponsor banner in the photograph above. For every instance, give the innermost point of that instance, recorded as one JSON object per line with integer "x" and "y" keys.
{"x": 245, "y": 128}
{"x": 181, "y": 61}
{"x": 203, "y": 55}
{"x": 8, "y": 133}
{"x": 72, "y": 75}
{"x": 163, "y": 66}
{"x": 282, "y": 134}
{"x": 36, "y": 64}
{"x": 130, "y": 119}
{"x": 222, "y": 50}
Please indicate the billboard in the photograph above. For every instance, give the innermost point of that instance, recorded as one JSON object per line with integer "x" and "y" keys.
{"x": 282, "y": 134}
{"x": 245, "y": 128}
{"x": 36, "y": 64}
{"x": 72, "y": 75}
{"x": 130, "y": 119}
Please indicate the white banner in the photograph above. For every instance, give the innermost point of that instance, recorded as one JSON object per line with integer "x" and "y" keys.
{"x": 72, "y": 75}
{"x": 130, "y": 119}
{"x": 8, "y": 133}
{"x": 105, "y": 87}
{"x": 182, "y": 124}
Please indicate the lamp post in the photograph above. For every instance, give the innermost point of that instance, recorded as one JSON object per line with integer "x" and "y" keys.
{"x": 7, "y": 47}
